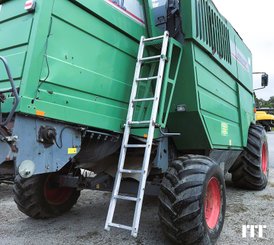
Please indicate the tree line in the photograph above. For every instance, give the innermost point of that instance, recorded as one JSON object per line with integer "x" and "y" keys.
{"x": 261, "y": 103}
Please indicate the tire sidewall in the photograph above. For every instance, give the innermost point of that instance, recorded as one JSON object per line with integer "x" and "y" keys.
{"x": 31, "y": 200}
{"x": 213, "y": 234}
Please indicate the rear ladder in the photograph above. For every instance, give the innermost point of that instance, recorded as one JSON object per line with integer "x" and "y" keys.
{"x": 129, "y": 125}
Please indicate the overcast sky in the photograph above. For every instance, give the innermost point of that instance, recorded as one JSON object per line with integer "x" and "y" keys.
{"x": 254, "y": 21}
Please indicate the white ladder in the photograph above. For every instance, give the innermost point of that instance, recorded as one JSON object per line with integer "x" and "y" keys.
{"x": 150, "y": 124}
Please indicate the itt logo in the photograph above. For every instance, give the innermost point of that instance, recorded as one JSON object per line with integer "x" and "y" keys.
{"x": 253, "y": 231}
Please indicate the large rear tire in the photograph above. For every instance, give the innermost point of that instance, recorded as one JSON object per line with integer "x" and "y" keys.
{"x": 192, "y": 201}
{"x": 250, "y": 171}
{"x": 40, "y": 196}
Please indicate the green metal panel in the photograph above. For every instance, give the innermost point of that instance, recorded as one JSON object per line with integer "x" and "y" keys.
{"x": 75, "y": 60}
{"x": 216, "y": 82}
{"x": 96, "y": 59}
{"x": 189, "y": 123}
{"x": 15, "y": 29}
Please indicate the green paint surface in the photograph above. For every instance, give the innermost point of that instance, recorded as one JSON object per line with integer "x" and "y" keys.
{"x": 75, "y": 61}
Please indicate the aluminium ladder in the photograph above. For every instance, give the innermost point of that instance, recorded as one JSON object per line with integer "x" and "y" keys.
{"x": 143, "y": 172}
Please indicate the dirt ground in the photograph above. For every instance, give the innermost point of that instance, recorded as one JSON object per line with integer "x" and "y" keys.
{"x": 85, "y": 223}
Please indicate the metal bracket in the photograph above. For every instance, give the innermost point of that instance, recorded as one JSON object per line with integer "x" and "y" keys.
{"x": 167, "y": 134}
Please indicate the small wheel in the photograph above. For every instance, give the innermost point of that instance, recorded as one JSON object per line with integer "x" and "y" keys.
{"x": 192, "y": 201}
{"x": 250, "y": 171}
{"x": 40, "y": 196}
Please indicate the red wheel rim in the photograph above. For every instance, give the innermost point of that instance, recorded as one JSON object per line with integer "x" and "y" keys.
{"x": 212, "y": 203}
{"x": 264, "y": 159}
{"x": 54, "y": 194}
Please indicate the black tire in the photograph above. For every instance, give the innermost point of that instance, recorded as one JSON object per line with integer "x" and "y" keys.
{"x": 40, "y": 198}
{"x": 185, "y": 200}
{"x": 250, "y": 171}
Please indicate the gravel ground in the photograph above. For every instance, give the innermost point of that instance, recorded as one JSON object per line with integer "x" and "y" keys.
{"x": 85, "y": 223}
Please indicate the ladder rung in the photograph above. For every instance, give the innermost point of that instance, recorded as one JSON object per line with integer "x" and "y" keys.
{"x": 151, "y": 58}
{"x": 138, "y": 122}
{"x": 126, "y": 198}
{"x": 153, "y": 38}
{"x": 143, "y": 99}
{"x": 125, "y": 227}
{"x": 135, "y": 146}
{"x": 146, "y": 78}
{"x": 131, "y": 171}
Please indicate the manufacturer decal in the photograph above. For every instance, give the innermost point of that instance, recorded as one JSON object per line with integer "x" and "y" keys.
{"x": 224, "y": 129}
{"x": 240, "y": 57}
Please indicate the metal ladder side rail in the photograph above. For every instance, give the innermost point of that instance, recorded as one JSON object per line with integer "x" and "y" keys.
{"x": 145, "y": 163}
{"x": 151, "y": 77}
{"x": 154, "y": 113}
{"x": 123, "y": 150}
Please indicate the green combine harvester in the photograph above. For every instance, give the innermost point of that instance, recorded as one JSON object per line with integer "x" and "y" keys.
{"x": 154, "y": 97}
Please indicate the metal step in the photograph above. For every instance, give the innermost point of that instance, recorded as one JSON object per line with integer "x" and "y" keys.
{"x": 126, "y": 198}
{"x": 146, "y": 79}
{"x": 143, "y": 99}
{"x": 154, "y": 38}
{"x": 131, "y": 171}
{"x": 138, "y": 122}
{"x": 150, "y": 58}
{"x": 135, "y": 146}
{"x": 125, "y": 227}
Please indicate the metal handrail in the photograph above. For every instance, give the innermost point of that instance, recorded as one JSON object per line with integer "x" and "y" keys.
{"x": 13, "y": 89}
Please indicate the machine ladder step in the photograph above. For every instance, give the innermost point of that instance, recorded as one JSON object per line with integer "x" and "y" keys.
{"x": 135, "y": 146}
{"x": 126, "y": 198}
{"x": 154, "y": 38}
{"x": 138, "y": 122}
{"x": 144, "y": 166}
{"x": 143, "y": 99}
{"x": 131, "y": 171}
{"x": 151, "y": 58}
{"x": 146, "y": 79}
{"x": 125, "y": 227}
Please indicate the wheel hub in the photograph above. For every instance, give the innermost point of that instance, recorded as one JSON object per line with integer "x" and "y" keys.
{"x": 212, "y": 203}
{"x": 54, "y": 194}
{"x": 264, "y": 159}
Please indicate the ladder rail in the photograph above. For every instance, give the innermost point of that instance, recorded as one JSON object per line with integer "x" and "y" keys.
{"x": 142, "y": 183}
{"x": 150, "y": 78}
{"x": 149, "y": 141}
{"x": 123, "y": 151}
